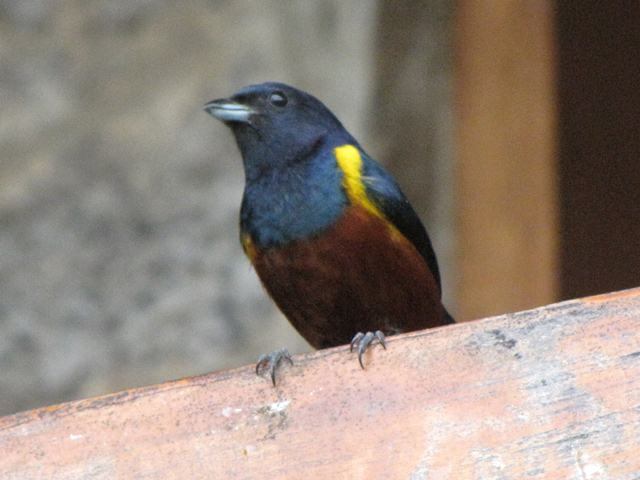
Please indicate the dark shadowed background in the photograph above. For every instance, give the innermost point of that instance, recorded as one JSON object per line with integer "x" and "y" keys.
{"x": 512, "y": 126}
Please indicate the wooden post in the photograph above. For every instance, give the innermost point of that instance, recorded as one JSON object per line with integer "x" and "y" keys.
{"x": 546, "y": 394}
{"x": 505, "y": 172}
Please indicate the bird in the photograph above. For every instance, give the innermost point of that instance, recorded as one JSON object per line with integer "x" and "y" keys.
{"x": 333, "y": 239}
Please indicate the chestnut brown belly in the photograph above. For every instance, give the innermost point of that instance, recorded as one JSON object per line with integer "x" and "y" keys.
{"x": 359, "y": 275}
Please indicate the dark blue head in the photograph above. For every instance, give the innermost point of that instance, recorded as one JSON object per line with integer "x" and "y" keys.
{"x": 276, "y": 125}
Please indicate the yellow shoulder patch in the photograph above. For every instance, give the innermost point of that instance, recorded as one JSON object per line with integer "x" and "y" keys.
{"x": 248, "y": 246}
{"x": 350, "y": 162}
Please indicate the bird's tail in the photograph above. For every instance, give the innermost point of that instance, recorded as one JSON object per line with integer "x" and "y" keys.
{"x": 447, "y": 318}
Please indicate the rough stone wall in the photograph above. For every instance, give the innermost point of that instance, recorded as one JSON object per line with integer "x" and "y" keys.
{"x": 119, "y": 260}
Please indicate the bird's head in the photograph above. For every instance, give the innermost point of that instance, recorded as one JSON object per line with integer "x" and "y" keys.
{"x": 276, "y": 124}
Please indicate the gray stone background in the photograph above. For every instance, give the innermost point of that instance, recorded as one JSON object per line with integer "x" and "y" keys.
{"x": 119, "y": 257}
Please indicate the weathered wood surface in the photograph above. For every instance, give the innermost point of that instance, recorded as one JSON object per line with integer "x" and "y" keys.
{"x": 552, "y": 393}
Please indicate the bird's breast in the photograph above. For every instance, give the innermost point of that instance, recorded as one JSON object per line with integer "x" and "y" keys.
{"x": 293, "y": 204}
{"x": 358, "y": 274}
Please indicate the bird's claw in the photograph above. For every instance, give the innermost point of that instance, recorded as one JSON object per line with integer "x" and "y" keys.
{"x": 364, "y": 340}
{"x": 270, "y": 363}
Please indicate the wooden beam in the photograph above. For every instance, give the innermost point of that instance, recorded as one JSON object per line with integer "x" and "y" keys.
{"x": 552, "y": 393}
{"x": 505, "y": 173}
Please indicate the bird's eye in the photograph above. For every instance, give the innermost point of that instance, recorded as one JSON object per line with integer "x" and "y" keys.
{"x": 278, "y": 99}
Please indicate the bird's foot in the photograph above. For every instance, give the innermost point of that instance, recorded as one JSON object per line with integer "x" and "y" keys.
{"x": 269, "y": 363}
{"x": 364, "y": 340}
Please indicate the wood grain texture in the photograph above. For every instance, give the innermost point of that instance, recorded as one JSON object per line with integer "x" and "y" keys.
{"x": 505, "y": 173}
{"x": 551, "y": 393}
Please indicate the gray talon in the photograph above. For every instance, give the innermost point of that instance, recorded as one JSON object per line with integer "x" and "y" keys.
{"x": 355, "y": 340}
{"x": 364, "y": 341}
{"x": 271, "y": 362}
{"x": 381, "y": 338}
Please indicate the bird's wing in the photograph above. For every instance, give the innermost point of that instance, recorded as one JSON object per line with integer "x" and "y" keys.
{"x": 385, "y": 193}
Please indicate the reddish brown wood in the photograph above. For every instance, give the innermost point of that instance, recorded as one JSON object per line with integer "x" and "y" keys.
{"x": 551, "y": 393}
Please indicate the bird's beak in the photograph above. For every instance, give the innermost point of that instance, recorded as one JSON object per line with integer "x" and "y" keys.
{"x": 228, "y": 111}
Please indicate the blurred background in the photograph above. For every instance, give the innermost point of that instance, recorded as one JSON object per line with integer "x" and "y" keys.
{"x": 511, "y": 125}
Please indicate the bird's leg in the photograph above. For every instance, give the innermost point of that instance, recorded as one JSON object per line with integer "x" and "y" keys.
{"x": 269, "y": 363}
{"x": 364, "y": 340}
